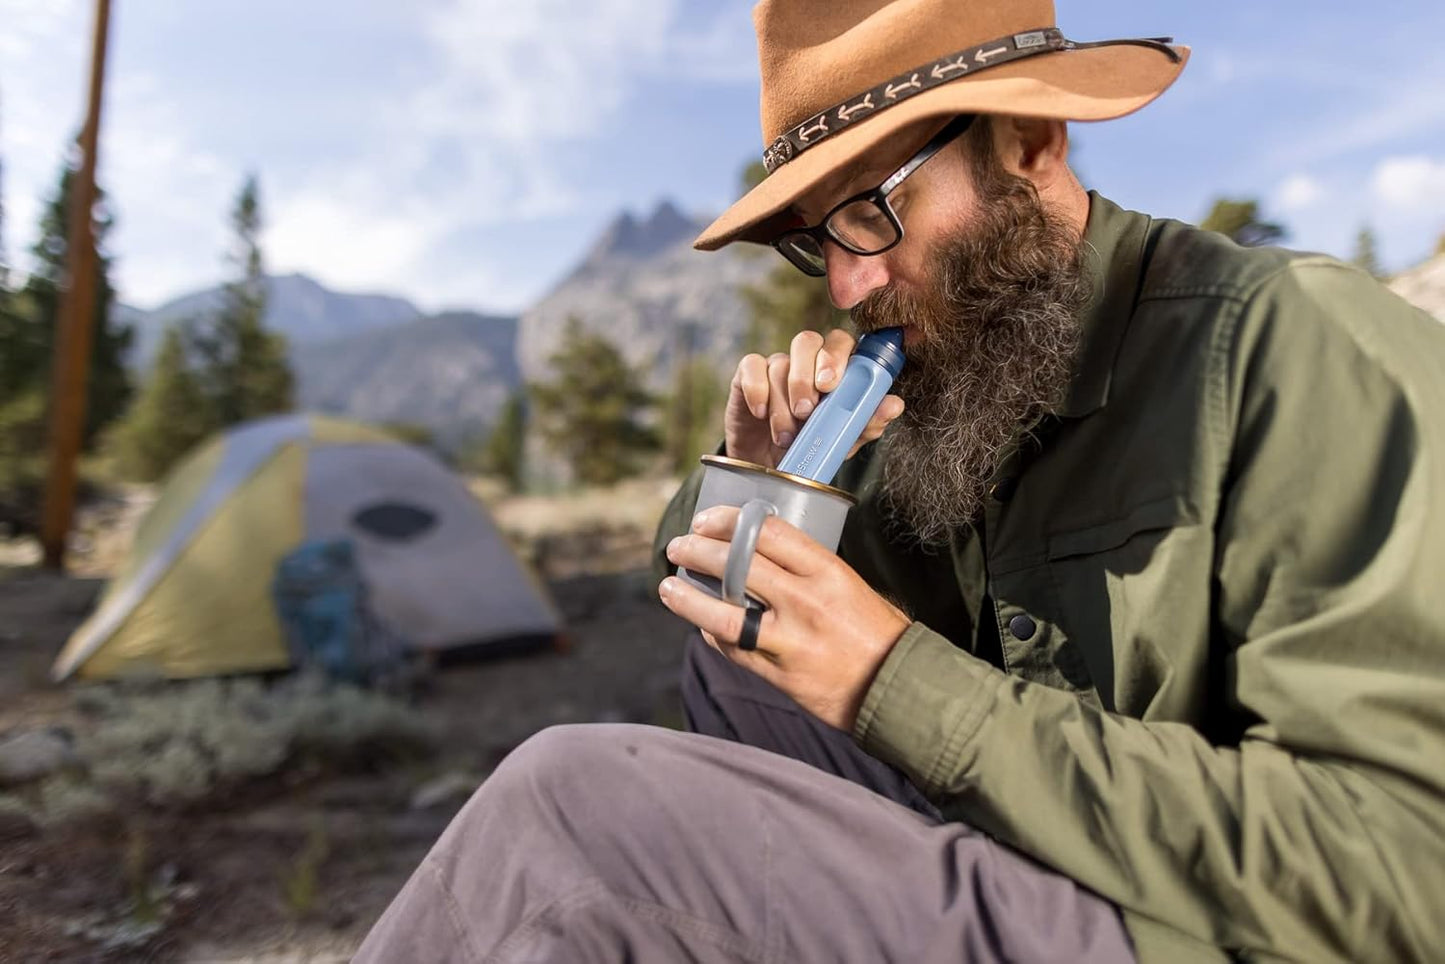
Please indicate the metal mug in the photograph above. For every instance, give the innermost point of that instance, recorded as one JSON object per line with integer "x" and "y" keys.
{"x": 817, "y": 509}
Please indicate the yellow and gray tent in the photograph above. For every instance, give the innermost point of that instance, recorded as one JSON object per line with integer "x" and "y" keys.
{"x": 193, "y": 597}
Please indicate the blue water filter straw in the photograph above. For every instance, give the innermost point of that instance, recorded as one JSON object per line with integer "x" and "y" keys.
{"x": 825, "y": 438}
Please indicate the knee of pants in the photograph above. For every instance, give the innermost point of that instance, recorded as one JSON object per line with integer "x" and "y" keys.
{"x": 565, "y": 767}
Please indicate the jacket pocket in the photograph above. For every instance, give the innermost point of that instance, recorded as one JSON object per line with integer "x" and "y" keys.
{"x": 1160, "y": 514}
{"x": 1132, "y": 595}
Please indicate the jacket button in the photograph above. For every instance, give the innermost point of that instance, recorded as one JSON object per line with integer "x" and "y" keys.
{"x": 1022, "y": 626}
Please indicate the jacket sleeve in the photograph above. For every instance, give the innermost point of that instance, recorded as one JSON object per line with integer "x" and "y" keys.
{"x": 1321, "y": 835}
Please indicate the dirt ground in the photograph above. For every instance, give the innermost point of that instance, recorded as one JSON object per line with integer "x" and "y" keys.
{"x": 229, "y": 868}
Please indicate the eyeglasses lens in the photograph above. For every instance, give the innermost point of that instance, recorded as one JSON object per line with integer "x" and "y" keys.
{"x": 863, "y": 226}
{"x": 805, "y": 252}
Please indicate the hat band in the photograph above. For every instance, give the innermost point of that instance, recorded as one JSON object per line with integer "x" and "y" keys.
{"x": 962, "y": 63}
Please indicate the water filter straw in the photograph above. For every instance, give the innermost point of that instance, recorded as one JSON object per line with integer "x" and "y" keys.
{"x": 829, "y": 433}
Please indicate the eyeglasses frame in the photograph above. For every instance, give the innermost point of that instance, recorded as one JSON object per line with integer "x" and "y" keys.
{"x": 822, "y": 233}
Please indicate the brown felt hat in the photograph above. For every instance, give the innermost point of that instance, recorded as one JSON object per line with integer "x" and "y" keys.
{"x": 840, "y": 77}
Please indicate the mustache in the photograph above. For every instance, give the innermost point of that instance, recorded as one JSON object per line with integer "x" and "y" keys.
{"x": 891, "y": 307}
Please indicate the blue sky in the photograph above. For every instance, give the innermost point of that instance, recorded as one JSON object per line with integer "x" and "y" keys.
{"x": 465, "y": 152}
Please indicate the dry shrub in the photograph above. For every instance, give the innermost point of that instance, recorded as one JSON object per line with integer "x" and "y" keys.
{"x": 170, "y": 745}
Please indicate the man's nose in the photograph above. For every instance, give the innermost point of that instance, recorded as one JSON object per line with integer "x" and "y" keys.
{"x": 852, "y": 277}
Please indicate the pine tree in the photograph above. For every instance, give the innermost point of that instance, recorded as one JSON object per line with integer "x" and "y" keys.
{"x": 1366, "y": 256}
{"x": 1239, "y": 218}
{"x": 595, "y": 412}
{"x": 694, "y": 409}
{"x": 244, "y": 364}
{"x": 503, "y": 454}
{"x": 170, "y": 417}
{"x": 27, "y": 331}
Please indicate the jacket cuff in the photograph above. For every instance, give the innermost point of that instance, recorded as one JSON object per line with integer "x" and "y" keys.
{"x": 925, "y": 706}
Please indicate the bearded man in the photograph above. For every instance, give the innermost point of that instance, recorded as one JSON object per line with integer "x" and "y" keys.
{"x": 1134, "y": 645}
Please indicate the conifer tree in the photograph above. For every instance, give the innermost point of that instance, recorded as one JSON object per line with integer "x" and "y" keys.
{"x": 28, "y": 322}
{"x": 243, "y": 364}
{"x": 1239, "y": 219}
{"x": 169, "y": 418}
{"x": 595, "y": 413}
{"x": 503, "y": 454}
{"x": 27, "y": 330}
{"x": 1366, "y": 255}
{"x": 694, "y": 407}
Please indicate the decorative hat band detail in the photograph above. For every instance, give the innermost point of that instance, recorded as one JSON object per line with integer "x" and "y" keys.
{"x": 962, "y": 63}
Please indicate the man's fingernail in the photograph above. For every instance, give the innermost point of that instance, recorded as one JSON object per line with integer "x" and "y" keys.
{"x": 673, "y": 545}
{"x": 700, "y": 520}
{"x": 804, "y": 406}
{"x": 824, "y": 375}
{"x": 664, "y": 589}
{"x": 785, "y": 439}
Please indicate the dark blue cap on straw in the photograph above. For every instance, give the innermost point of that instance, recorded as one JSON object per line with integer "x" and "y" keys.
{"x": 885, "y": 346}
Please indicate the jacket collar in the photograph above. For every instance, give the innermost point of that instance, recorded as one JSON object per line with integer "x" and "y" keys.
{"x": 1114, "y": 257}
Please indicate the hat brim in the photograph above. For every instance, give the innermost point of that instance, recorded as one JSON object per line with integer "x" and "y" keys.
{"x": 1093, "y": 84}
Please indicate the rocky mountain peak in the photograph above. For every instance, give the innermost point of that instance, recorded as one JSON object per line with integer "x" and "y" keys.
{"x": 634, "y": 238}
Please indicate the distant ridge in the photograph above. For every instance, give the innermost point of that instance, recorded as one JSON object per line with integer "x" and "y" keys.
{"x": 449, "y": 373}
{"x": 378, "y": 358}
{"x": 296, "y": 305}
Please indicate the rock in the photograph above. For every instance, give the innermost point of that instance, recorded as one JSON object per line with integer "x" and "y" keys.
{"x": 32, "y": 754}
{"x": 450, "y": 787}
{"x": 15, "y": 825}
{"x": 1424, "y": 286}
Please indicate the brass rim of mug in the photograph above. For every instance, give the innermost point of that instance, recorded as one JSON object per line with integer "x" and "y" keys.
{"x": 732, "y": 463}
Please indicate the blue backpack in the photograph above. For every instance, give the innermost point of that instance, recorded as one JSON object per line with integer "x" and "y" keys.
{"x": 320, "y": 598}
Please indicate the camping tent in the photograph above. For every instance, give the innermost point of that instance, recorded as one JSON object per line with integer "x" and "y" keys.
{"x": 193, "y": 597}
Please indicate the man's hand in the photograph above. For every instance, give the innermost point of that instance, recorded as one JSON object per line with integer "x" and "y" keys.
{"x": 771, "y": 397}
{"x": 826, "y": 631}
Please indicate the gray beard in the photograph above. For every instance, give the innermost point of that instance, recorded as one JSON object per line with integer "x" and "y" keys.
{"x": 999, "y": 334}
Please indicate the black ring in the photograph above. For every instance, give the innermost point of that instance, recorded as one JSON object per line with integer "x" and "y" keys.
{"x": 752, "y": 621}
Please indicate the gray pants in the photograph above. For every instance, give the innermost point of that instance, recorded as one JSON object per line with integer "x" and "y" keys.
{"x": 637, "y": 844}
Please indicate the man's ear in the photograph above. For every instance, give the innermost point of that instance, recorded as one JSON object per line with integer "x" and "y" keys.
{"x": 1032, "y": 147}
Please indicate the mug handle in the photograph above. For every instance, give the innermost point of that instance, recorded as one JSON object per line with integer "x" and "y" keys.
{"x": 744, "y": 544}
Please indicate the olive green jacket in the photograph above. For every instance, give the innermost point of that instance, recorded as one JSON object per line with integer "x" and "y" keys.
{"x": 1215, "y": 583}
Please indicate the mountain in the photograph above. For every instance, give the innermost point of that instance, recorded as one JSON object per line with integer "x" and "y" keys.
{"x": 376, "y": 358}
{"x": 449, "y": 372}
{"x": 645, "y": 287}
{"x": 297, "y": 306}
{"x": 1424, "y": 285}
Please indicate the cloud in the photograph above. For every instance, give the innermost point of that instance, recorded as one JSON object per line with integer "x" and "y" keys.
{"x": 1298, "y": 192}
{"x": 1411, "y": 183}
{"x": 173, "y": 194}
{"x": 481, "y": 125}
{"x": 537, "y": 71}
{"x": 473, "y": 142}
{"x": 41, "y": 56}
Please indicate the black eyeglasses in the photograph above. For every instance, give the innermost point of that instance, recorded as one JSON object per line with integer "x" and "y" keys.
{"x": 866, "y": 223}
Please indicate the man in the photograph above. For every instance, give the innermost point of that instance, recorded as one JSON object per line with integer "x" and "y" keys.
{"x": 1135, "y": 643}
